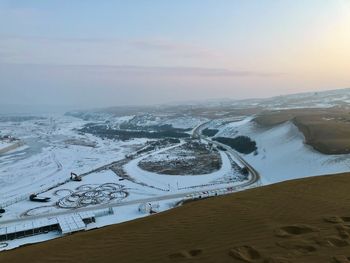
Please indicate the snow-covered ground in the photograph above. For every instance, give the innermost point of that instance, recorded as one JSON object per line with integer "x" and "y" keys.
{"x": 48, "y": 159}
{"x": 119, "y": 215}
{"x": 4, "y": 144}
{"x": 88, "y": 185}
{"x": 54, "y": 148}
{"x": 187, "y": 122}
{"x": 173, "y": 181}
{"x": 282, "y": 154}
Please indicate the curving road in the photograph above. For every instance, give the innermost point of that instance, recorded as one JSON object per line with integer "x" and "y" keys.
{"x": 255, "y": 176}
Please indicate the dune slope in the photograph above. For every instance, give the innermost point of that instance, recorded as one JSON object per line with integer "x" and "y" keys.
{"x": 306, "y": 220}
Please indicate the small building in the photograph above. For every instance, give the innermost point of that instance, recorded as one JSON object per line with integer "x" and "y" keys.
{"x": 65, "y": 224}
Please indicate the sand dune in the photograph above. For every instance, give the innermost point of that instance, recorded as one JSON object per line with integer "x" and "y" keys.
{"x": 326, "y": 130}
{"x": 305, "y": 220}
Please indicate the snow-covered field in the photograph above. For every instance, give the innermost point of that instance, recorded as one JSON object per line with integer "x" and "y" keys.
{"x": 48, "y": 159}
{"x": 54, "y": 148}
{"x": 172, "y": 181}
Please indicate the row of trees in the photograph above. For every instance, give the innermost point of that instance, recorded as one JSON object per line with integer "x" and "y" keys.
{"x": 242, "y": 144}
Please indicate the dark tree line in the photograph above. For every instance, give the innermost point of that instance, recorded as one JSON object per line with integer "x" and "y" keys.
{"x": 106, "y": 132}
{"x": 242, "y": 144}
{"x": 209, "y": 132}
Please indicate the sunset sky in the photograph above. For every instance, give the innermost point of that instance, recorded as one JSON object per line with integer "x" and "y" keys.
{"x": 104, "y": 53}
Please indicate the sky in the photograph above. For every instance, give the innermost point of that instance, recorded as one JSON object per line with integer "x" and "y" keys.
{"x": 90, "y": 53}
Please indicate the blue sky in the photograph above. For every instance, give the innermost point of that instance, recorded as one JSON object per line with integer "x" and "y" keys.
{"x": 142, "y": 52}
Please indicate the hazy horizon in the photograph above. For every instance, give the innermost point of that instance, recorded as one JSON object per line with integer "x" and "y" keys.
{"x": 89, "y": 54}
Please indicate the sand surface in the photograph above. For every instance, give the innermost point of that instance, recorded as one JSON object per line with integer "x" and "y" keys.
{"x": 326, "y": 130}
{"x": 305, "y": 220}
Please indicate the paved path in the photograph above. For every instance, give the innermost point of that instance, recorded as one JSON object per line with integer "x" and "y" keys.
{"x": 255, "y": 176}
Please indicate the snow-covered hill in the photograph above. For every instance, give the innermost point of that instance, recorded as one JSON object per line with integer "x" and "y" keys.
{"x": 282, "y": 154}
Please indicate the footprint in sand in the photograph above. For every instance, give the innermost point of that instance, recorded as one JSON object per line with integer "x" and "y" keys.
{"x": 342, "y": 225}
{"x": 298, "y": 246}
{"x": 346, "y": 219}
{"x": 245, "y": 253}
{"x": 343, "y": 231}
{"x": 294, "y": 230}
{"x": 337, "y": 219}
{"x": 341, "y": 259}
{"x": 186, "y": 254}
{"x": 336, "y": 242}
{"x": 333, "y": 219}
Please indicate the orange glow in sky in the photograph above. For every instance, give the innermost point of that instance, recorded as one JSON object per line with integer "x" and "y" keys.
{"x": 123, "y": 52}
